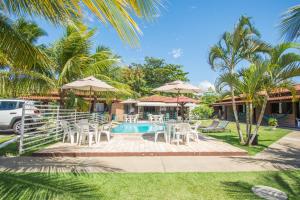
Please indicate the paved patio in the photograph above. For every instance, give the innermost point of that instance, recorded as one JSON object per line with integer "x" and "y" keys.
{"x": 143, "y": 145}
{"x": 282, "y": 155}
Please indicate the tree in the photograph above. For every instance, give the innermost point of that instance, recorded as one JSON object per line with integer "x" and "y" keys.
{"x": 156, "y": 72}
{"x": 60, "y": 12}
{"x": 290, "y": 23}
{"x": 282, "y": 65}
{"x": 202, "y": 111}
{"x": 14, "y": 80}
{"x": 247, "y": 84}
{"x": 209, "y": 97}
{"x": 256, "y": 83}
{"x": 134, "y": 77}
{"x": 242, "y": 44}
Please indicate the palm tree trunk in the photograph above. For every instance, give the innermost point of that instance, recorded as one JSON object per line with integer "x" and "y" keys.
{"x": 250, "y": 117}
{"x": 238, "y": 128}
{"x": 61, "y": 98}
{"x": 247, "y": 120}
{"x": 262, "y": 112}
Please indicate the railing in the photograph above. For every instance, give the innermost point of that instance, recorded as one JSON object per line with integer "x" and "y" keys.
{"x": 41, "y": 124}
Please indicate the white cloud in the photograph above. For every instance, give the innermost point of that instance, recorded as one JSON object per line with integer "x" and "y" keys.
{"x": 176, "y": 53}
{"x": 205, "y": 85}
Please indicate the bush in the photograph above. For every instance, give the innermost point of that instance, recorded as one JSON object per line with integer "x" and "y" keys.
{"x": 202, "y": 111}
{"x": 273, "y": 122}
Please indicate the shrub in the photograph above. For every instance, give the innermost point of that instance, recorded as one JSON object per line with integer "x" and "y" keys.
{"x": 202, "y": 111}
{"x": 272, "y": 122}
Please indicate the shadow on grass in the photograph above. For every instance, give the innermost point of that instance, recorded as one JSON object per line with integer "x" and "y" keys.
{"x": 286, "y": 181}
{"x": 45, "y": 186}
{"x": 277, "y": 158}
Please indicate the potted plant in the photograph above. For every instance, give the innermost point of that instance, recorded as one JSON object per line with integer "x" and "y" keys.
{"x": 273, "y": 123}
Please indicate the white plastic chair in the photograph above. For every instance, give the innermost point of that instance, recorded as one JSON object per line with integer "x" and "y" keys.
{"x": 86, "y": 134}
{"x": 160, "y": 132}
{"x": 67, "y": 131}
{"x": 106, "y": 130}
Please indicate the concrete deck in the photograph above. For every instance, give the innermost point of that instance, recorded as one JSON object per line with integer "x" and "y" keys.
{"x": 282, "y": 155}
{"x": 143, "y": 145}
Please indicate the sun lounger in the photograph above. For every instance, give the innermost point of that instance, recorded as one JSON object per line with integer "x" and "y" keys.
{"x": 221, "y": 127}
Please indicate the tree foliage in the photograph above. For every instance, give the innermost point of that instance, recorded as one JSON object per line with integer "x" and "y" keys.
{"x": 153, "y": 73}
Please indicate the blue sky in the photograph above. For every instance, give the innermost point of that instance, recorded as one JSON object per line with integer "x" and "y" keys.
{"x": 185, "y": 30}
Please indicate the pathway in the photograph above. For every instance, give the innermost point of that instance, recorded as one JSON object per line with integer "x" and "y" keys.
{"x": 284, "y": 154}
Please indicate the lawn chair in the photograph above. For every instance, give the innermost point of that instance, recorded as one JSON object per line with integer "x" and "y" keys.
{"x": 214, "y": 124}
{"x": 221, "y": 127}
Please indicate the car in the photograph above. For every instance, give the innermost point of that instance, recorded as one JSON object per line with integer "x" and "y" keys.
{"x": 11, "y": 113}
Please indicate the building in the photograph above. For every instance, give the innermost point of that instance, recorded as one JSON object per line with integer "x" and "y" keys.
{"x": 159, "y": 105}
{"x": 281, "y": 106}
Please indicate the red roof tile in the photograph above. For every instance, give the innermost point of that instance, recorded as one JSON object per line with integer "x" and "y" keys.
{"x": 157, "y": 98}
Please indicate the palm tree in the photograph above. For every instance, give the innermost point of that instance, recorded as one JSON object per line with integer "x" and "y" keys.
{"x": 61, "y": 12}
{"x": 246, "y": 83}
{"x": 290, "y": 23}
{"x": 243, "y": 43}
{"x": 14, "y": 80}
{"x": 282, "y": 65}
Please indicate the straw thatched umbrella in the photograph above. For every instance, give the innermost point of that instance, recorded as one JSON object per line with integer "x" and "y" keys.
{"x": 90, "y": 84}
{"x": 178, "y": 87}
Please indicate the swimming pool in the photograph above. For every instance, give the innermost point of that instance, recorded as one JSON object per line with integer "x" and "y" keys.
{"x": 140, "y": 128}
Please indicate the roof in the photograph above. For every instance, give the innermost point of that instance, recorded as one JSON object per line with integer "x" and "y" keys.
{"x": 280, "y": 94}
{"x": 158, "y": 98}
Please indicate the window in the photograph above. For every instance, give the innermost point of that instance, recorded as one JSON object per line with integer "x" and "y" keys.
{"x": 274, "y": 108}
{"x": 8, "y": 105}
{"x": 20, "y": 104}
{"x": 286, "y": 108}
{"x": 241, "y": 108}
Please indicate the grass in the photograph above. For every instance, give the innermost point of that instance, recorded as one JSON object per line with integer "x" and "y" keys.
{"x": 265, "y": 139}
{"x": 6, "y": 138}
{"x": 125, "y": 186}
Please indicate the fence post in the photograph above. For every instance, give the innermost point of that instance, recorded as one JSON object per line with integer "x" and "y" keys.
{"x": 57, "y": 122}
{"x": 22, "y": 130}
{"x": 75, "y": 116}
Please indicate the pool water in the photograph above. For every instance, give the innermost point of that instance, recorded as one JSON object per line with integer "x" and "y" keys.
{"x": 141, "y": 128}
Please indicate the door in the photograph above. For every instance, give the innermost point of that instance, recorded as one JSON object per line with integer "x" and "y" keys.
{"x": 8, "y": 110}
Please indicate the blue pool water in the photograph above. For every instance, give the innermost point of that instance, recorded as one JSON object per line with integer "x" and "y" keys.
{"x": 141, "y": 128}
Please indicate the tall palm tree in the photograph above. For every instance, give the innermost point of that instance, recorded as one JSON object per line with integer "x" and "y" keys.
{"x": 116, "y": 13}
{"x": 282, "y": 65}
{"x": 242, "y": 44}
{"x": 290, "y": 23}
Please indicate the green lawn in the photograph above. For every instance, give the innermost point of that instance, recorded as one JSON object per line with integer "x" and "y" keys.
{"x": 144, "y": 186}
{"x": 5, "y": 138}
{"x": 10, "y": 149}
{"x": 266, "y": 137}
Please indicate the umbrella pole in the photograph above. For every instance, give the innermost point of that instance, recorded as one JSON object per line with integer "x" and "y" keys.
{"x": 177, "y": 105}
{"x": 90, "y": 99}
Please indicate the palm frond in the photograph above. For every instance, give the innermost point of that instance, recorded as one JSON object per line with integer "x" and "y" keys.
{"x": 290, "y": 23}
{"x": 17, "y": 49}
{"x": 117, "y": 13}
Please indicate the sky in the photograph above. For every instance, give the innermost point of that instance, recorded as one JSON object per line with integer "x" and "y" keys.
{"x": 185, "y": 30}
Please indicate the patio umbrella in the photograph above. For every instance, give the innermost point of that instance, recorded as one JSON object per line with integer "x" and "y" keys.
{"x": 178, "y": 87}
{"x": 90, "y": 84}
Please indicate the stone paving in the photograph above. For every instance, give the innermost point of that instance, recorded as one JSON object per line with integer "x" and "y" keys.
{"x": 143, "y": 145}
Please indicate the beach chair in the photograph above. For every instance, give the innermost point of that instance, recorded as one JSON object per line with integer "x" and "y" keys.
{"x": 221, "y": 127}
